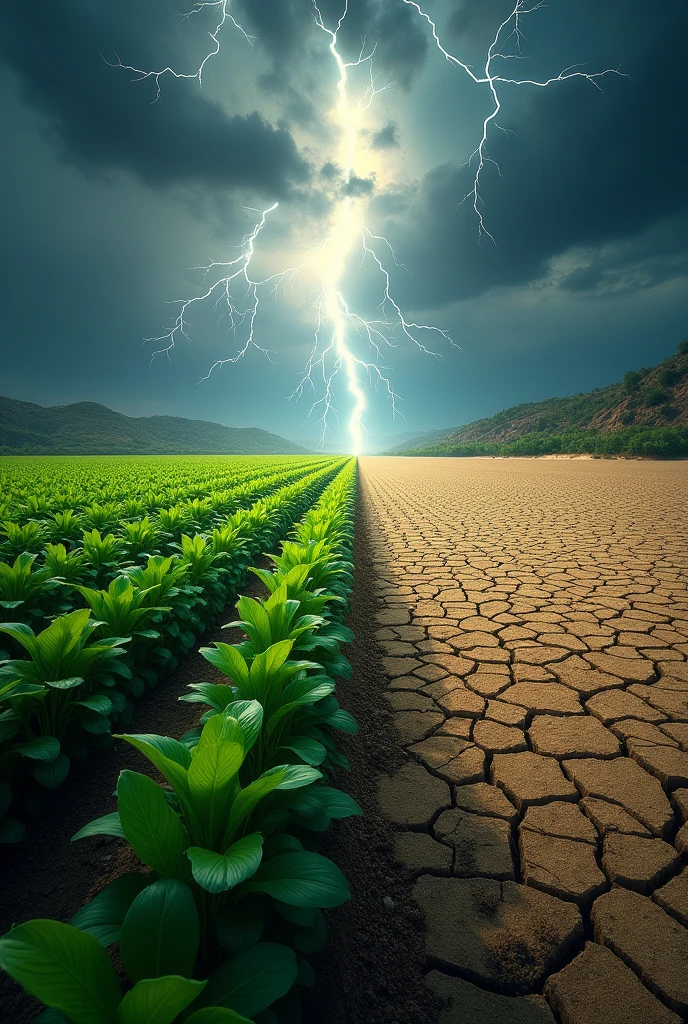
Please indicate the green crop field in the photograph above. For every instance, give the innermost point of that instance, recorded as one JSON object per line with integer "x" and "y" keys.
{"x": 110, "y": 570}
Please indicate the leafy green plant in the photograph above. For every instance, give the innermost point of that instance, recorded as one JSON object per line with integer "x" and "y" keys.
{"x": 19, "y": 539}
{"x": 215, "y": 840}
{"x": 278, "y": 618}
{"x": 60, "y": 564}
{"x": 655, "y": 396}
{"x": 139, "y": 537}
{"x": 325, "y": 572}
{"x": 23, "y": 588}
{"x": 183, "y": 591}
{"x": 68, "y": 970}
{"x": 134, "y": 508}
{"x": 66, "y": 684}
{"x": 200, "y": 512}
{"x": 159, "y": 579}
{"x": 104, "y": 554}
{"x": 121, "y": 609}
{"x": 101, "y": 517}
{"x": 172, "y": 522}
{"x": 37, "y": 505}
{"x": 65, "y": 527}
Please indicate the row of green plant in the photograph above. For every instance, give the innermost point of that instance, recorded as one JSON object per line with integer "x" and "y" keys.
{"x": 38, "y": 485}
{"x": 218, "y": 927}
{"x": 28, "y": 525}
{"x": 654, "y": 442}
{"x": 32, "y": 588}
{"x": 67, "y": 684}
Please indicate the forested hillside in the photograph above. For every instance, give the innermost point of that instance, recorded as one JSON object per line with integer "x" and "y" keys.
{"x": 90, "y": 429}
{"x": 645, "y": 414}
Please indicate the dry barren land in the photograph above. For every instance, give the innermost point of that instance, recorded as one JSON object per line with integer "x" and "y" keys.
{"x": 534, "y": 631}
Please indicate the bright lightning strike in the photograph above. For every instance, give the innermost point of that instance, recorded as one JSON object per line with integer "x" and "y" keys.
{"x": 237, "y": 293}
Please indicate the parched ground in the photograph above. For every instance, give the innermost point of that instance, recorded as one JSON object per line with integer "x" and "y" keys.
{"x": 534, "y": 634}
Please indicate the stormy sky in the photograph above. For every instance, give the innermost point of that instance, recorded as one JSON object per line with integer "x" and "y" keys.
{"x": 110, "y": 200}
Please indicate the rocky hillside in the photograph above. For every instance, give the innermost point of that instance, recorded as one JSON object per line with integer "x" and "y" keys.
{"x": 90, "y": 429}
{"x": 652, "y": 398}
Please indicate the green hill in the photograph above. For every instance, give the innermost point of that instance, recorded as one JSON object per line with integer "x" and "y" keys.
{"x": 645, "y": 414}
{"x": 90, "y": 429}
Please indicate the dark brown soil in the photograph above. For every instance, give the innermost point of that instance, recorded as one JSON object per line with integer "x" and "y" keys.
{"x": 49, "y": 876}
{"x": 371, "y": 970}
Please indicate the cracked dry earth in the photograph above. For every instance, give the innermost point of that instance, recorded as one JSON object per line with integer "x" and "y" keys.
{"x": 534, "y": 628}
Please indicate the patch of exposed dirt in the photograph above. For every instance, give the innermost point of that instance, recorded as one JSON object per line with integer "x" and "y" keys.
{"x": 371, "y": 970}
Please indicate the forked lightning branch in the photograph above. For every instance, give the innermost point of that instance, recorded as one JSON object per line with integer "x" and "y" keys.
{"x": 347, "y": 343}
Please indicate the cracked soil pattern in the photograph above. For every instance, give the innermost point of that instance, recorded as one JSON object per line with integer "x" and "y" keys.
{"x": 533, "y": 626}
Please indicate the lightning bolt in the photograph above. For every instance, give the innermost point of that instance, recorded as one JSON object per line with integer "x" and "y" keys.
{"x": 237, "y": 294}
{"x": 480, "y": 154}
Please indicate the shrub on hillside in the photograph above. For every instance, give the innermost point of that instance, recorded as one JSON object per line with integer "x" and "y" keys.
{"x": 655, "y": 396}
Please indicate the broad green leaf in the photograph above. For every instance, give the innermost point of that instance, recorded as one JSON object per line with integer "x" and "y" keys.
{"x": 301, "y": 916}
{"x": 154, "y": 746}
{"x": 217, "y": 695}
{"x": 108, "y": 825}
{"x": 264, "y": 667}
{"x": 302, "y": 879}
{"x": 160, "y": 933}
{"x": 158, "y": 1000}
{"x": 212, "y": 777}
{"x": 20, "y": 632}
{"x": 335, "y": 803}
{"x": 43, "y": 748}
{"x": 65, "y": 684}
{"x": 228, "y": 660}
{"x": 249, "y": 715}
{"x": 217, "y": 1015}
{"x": 97, "y": 702}
{"x": 251, "y": 981}
{"x": 219, "y": 872}
{"x": 281, "y": 842}
{"x": 309, "y": 750}
{"x": 172, "y": 759}
{"x": 298, "y": 695}
{"x": 52, "y": 774}
{"x": 286, "y": 776}
{"x": 342, "y": 720}
{"x": 306, "y": 975}
{"x": 63, "y": 967}
{"x": 102, "y": 916}
{"x": 50, "y": 1017}
{"x": 151, "y": 826}
{"x": 94, "y": 723}
{"x": 221, "y": 729}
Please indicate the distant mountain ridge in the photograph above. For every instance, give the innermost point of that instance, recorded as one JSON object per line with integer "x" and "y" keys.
{"x": 650, "y": 406}
{"x": 87, "y": 428}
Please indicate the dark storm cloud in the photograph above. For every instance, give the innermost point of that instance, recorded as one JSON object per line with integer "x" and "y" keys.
{"x": 657, "y": 255}
{"x": 358, "y": 186}
{"x": 386, "y": 138}
{"x": 584, "y": 169}
{"x": 479, "y": 22}
{"x": 102, "y": 121}
{"x": 283, "y": 26}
